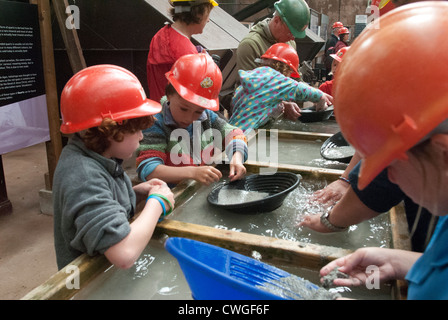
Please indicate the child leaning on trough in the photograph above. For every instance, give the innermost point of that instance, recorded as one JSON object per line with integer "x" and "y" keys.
{"x": 264, "y": 90}
{"x": 188, "y": 115}
{"x": 105, "y": 108}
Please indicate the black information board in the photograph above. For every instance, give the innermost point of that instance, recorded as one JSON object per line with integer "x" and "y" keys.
{"x": 21, "y": 72}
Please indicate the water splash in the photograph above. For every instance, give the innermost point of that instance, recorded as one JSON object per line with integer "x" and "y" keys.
{"x": 142, "y": 266}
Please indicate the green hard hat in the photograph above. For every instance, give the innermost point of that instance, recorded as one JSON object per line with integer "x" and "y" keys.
{"x": 296, "y": 14}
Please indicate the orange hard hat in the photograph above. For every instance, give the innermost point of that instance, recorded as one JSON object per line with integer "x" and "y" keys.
{"x": 343, "y": 30}
{"x": 338, "y": 56}
{"x": 197, "y": 79}
{"x": 283, "y": 52}
{"x": 387, "y": 102}
{"x": 337, "y": 24}
{"x": 103, "y": 91}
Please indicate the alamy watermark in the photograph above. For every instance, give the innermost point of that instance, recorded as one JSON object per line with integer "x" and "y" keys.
{"x": 206, "y": 147}
{"x": 73, "y": 19}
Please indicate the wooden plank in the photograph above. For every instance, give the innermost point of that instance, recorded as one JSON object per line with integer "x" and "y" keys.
{"x": 272, "y": 250}
{"x": 400, "y": 240}
{"x": 330, "y": 174}
{"x": 56, "y": 287}
{"x": 70, "y": 37}
{"x": 55, "y": 143}
{"x": 5, "y": 203}
{"x": 300, "y": 135}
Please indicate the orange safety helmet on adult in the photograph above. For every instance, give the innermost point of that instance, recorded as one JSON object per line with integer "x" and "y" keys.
{"x": 283, "y": 52}
{"x": 343, "y": 30}
{"x": 103, "y": 91}
{"x": 386, "y": 101}
{"x": 337, "y": 24}
{"x": 197, "y": 79}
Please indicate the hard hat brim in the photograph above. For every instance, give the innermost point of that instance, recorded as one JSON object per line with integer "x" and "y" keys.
{"x": 211, "y": 104}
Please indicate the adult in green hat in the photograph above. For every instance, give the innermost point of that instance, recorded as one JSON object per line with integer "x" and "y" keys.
{"x": 290, "y": 20}
{"x": 296, "y": 15}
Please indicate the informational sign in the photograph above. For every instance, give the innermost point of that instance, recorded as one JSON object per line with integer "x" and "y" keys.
{"x": 23, "y": 108}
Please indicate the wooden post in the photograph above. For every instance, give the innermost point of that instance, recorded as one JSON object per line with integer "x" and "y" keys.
{"x": 54, "y": 146}
{"x": 5, "y": 204}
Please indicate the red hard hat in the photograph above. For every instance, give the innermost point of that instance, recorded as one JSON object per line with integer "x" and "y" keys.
{"x": 381, "y": 112}
{"x": 285, "y": 53}
{"x": 337, "y": 24}
{"x": 343, "y": 30}
{"x": 103, "y": 91}
{"x": 338, "y": 56}
{"x": 197, "y": 79}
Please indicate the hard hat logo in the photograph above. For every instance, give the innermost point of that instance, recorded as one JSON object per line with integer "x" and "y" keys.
{"x": 207, "y": 83}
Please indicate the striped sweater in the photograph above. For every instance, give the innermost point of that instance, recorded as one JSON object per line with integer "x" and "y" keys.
{"x": 165, "y": 143}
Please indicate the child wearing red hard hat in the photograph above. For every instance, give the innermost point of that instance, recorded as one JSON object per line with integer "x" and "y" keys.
{"x": 189, "y": 116}
{"x": 264, "y": 90}
{"x": 106, "y": 109}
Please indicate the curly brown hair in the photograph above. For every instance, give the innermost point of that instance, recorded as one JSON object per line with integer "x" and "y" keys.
{"x": 194, "y": 16}
{"x": 96, "y": 139}
{"x": 281, "y": 67}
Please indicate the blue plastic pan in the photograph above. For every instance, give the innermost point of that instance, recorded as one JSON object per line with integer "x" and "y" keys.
{"x": 214, "y": 273}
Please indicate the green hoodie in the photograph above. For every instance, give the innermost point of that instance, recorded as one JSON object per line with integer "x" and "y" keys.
{"x": 255, "y": 44}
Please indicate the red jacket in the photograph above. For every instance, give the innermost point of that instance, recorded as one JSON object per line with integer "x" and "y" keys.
{"x": 327, "y": 87}
{"x": 166, "y": 47}
{"x": 339, "y": 45}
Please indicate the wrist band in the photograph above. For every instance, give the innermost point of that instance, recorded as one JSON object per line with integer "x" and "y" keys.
{"x": 166, "y": 199}
{"x": 344, "y": 179}
{"x": 152, "y": 196}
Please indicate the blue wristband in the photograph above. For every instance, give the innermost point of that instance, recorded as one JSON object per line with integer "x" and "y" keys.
{"x": 161, "y": 203}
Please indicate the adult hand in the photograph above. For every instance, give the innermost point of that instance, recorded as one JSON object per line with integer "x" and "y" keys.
{"x": 313, "y": 222}
{"x": 391, "y": 264}
{"x": 331, "y": 193}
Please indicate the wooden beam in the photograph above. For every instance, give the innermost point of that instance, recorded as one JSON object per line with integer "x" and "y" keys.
{"x": 272, "y": 250}
{"x": 54, "y": 146}
{"x": 400, "y": 240}
{"x": 5, "y": 204}
{"x": 56, "y": 287}
{"x": 331, "y": 174}
{"x": 70, "y": 37}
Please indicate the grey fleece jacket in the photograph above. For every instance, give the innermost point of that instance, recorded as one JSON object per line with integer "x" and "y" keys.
{"x": 93, "y": 200}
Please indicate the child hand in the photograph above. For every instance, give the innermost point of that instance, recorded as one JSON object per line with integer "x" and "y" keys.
{"x": 237, "y": 169}
{"x": 157, "y": 186}
{"x": 325, "y": 101}
{"x": 206, "y": 174}
{"x": 291, "y": 110}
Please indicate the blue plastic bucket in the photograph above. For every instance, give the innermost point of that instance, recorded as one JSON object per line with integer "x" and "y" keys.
{"x": 214, "y": 273}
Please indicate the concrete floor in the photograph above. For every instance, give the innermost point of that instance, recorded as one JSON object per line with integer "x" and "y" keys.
{"x": 27, "y": 256}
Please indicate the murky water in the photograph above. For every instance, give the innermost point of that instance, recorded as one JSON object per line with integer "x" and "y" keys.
{"x": 232, "y": 196}
{"x": 282, "y": 222}
{"x": 297, "y": 152}
{"x": 156, "y": 275}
